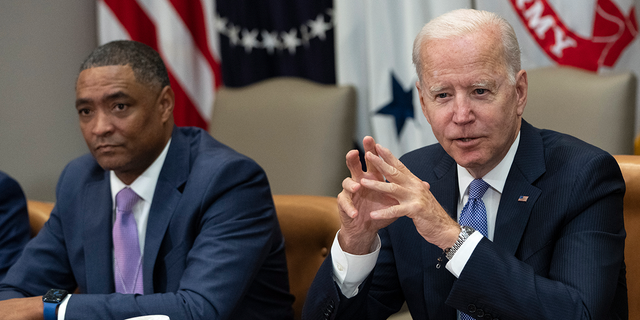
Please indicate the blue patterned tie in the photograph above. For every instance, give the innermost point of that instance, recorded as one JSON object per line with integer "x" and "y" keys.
{"x": 474, "y": 214}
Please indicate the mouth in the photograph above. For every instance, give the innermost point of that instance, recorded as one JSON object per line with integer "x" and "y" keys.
{"x": 467, "y": 141}
{"x": 106, "y": 147}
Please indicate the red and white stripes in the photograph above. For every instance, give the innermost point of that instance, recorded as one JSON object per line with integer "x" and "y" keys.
{"x": 183, "y": 33}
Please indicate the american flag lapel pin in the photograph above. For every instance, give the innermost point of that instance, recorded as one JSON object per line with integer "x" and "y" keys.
{"x": 523, "y": 198}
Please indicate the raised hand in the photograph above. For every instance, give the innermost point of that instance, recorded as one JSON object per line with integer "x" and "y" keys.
{"x": 358, "y": 230}
{"x": 412, "y": 199}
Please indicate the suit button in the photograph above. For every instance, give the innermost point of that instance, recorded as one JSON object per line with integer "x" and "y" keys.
{"x": 487, "y": 316}
{"x": 471, "y": 308}
{"x": 480, "y": 313}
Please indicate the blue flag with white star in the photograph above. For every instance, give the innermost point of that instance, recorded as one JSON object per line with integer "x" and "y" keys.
{"x": 401, "y": 107}
{"x": 262, "y": 39}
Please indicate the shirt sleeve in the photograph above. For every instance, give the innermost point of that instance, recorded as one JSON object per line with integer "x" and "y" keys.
{"x": 460, "y": 258}
{"x": 62, "y": 309}
{"x": 350, "y": 270}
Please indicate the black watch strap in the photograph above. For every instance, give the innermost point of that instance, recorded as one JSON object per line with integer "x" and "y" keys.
{"x": 51, "y": 300}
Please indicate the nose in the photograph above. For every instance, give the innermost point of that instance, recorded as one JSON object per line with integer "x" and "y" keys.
{"x": 102, "y": 125}
{"x": 462, "y": 112}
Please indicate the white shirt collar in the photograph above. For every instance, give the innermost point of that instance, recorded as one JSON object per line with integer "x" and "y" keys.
{"x": 145, "y": 184}
{"x": 496, "y": 178}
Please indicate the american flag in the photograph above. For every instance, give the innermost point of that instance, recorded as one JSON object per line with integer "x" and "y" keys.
{"x": 183, "y": 33}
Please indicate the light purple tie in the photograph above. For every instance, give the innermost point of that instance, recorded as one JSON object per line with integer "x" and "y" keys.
{"x": 474, "y": 214}
{"x": 128, "y": 266}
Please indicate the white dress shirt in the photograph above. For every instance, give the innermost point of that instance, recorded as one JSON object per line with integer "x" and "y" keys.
{"x": 144, "y": 186}
{"x": 349, "y": 270}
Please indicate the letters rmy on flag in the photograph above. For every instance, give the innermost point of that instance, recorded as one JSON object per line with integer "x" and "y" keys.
{"x": 596, "y": 35}
{"x": 374, "y": 40}
{"x": 183, "y": 33}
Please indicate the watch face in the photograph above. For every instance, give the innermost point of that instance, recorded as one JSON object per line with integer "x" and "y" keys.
{"x": 55, "y": 295}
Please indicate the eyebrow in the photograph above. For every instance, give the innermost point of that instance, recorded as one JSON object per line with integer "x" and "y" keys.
{"x": 484, "y": 83}
{"x": 436, "y": 89}
{"x": 107, "y": 97}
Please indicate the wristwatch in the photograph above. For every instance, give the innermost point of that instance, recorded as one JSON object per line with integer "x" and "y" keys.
{"x": 465, "y": 232}
{"x": 51, "y": 300}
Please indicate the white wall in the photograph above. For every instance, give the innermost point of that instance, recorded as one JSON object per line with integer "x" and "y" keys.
{"x": 42, "y": 44}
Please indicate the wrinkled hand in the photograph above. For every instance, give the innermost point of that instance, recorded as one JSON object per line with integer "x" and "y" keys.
{"x": 358, "y": 230}
{"x": 412, "y": 196}
{"x": 22, "y": 309}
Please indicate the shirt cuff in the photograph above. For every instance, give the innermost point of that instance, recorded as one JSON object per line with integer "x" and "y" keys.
{"x": 460, "y": 258}
{"x": 350, "y": 270}
{"x": 62, "y": 309}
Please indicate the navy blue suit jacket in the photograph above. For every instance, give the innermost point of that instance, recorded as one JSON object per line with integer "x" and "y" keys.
{"x": 213, "y": 246}
{"x": 558, "y": 255}
{"x": 14, "y": 222}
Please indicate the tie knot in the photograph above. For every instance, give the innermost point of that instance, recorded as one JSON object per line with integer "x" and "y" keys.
{"x": 126, "y": 199}
{"x": 477, "y": 188}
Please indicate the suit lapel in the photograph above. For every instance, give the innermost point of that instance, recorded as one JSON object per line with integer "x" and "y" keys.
{"x": 97, "y": 213}
{"x": 173, "y": 176}
{"x": 514, "y": 211}
{"x": 444, "y": 189}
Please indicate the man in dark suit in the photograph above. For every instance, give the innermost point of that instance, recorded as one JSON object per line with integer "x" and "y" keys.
{"x": 500, "y": 220}
{"x": 195, "y": 234}
{"x": 14, "y": 222}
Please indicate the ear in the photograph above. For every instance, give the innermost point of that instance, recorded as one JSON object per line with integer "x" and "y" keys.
{"x": 423, "y": 105}
{"x": 166, "y": 103}
{"x": 522, "y": 87}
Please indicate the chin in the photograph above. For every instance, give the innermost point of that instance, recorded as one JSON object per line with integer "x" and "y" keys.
{"x": 109, "y": 164}
{"x": 469, "y": 161}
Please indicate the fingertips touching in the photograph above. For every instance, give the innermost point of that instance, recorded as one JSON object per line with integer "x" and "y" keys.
{"x": 386, "y": 154}
{"x": 350, "y": 185}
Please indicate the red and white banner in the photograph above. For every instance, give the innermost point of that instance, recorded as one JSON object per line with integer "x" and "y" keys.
{"x": 613, "y": 31}
{"x": 596, "y": 35}
{"x": 183, "y": 32}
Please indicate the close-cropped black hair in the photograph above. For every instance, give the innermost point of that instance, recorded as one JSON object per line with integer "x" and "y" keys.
{"x": 147, "y": 66}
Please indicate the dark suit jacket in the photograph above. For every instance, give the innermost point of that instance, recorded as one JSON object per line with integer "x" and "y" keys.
{"x": 213, "y": 247}
{"x": 559, "y": 255}
{"x": 15, "y": 231}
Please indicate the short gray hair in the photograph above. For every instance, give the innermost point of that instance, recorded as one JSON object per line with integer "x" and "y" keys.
{"x": 463, "y": 21}
{"x": 145, "y": 62}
